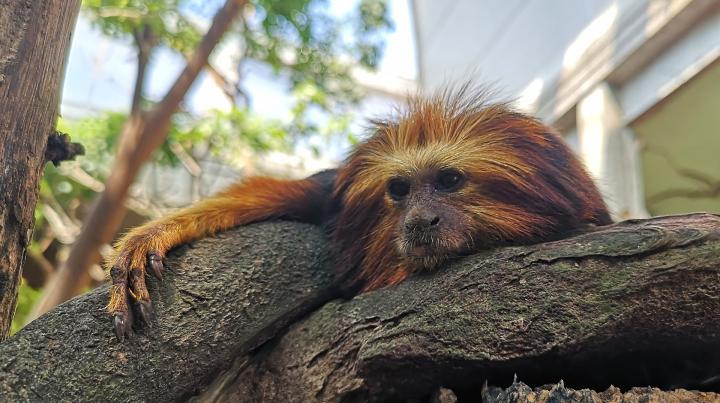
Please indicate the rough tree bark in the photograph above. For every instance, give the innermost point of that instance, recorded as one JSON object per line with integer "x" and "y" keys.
{"x": 142, "y": 134}
{"x": 34, "y": 40}
{"x": 632, "y": 304}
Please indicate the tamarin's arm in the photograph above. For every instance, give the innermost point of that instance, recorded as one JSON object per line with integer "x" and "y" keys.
{"x": 251, "y": 200}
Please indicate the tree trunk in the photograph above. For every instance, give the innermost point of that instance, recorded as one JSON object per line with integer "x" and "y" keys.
{"x": 142, "y": 134}
{"x": 632, "y": 304}
{"x": 34, "y": 40}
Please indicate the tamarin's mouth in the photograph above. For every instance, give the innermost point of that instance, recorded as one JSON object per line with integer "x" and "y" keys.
{"x": 428, "y": 253}
{"x": 424, "y": 250}
{"x": 418, "y": 247}
{"x": 421, "y": 250}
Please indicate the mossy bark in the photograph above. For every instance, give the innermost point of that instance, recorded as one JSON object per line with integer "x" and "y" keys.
{"x": 220, "y": 297}
{"x": 632, "y": 304}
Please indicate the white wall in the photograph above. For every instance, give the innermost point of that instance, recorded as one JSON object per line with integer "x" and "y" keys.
{"x": 506, "y": 43}
{"x": 550, "y": 54}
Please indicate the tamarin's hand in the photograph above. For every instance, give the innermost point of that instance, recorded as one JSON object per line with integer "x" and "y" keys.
{"x": 450, "y": 176}
{"x": 132, "y": 259}
{"x": 144, "y": 248}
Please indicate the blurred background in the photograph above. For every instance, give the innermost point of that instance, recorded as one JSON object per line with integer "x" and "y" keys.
{"x": 633, "y": 85}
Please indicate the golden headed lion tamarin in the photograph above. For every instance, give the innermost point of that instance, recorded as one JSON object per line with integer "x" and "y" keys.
{"x": 452, "y": 175}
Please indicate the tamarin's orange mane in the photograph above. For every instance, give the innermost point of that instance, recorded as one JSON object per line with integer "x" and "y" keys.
{"x": 524, "y": 184}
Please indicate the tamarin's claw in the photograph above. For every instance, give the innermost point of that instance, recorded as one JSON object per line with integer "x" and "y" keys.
{"x": 156, "y": 264}
{"x": 145, "y": 310}
{"x": 123, "y": 325}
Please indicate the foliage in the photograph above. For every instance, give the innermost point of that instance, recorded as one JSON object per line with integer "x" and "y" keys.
{"x": 298, "y": 38}
{"x": 126, "y": 18}
{"x": 222, "y": 134}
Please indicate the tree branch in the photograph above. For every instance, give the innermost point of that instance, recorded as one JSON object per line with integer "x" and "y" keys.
{"x": 633, "y": 304}
{"x": 220, "y": 297}
{"x": 630, "y": 304}
{"x": 229, "y": 89}
{"x": 145, "y": 41}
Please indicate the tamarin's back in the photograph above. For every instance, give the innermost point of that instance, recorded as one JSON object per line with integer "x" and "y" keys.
{"x": 450, "y": 176}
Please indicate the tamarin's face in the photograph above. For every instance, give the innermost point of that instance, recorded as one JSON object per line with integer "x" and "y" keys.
{"x": 452, "y": 183}
{"x": 431, "y": 224}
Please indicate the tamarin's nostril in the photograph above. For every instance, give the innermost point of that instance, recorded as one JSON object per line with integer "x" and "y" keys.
{"x": 418, "y": 223}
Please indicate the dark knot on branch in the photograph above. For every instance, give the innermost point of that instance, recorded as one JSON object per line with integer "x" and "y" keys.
{"x": 60, "y": 148}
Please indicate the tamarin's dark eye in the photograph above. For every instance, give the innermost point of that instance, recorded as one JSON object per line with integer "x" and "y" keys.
{"x": 398, "y": 188}
{"x": 449, "y": 180}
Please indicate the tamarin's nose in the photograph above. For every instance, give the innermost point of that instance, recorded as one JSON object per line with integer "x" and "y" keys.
{"x": 421, "y": 219}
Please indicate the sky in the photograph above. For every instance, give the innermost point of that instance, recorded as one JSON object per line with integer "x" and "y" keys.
{"x": 101, "y": 71}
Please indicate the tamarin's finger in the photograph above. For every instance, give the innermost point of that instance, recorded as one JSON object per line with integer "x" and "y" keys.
{"x": 122, "y": 317}
{"x": 138, "y": 290}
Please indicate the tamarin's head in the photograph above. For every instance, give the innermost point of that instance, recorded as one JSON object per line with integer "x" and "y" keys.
{"x": 454, "y": 174}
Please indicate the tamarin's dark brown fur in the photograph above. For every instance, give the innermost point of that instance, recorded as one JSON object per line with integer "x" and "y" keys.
{"x": 452, "y": 175}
